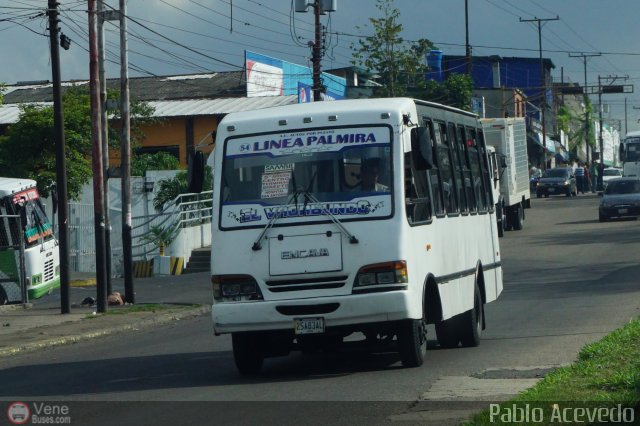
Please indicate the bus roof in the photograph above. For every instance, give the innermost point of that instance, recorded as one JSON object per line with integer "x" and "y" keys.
{"x": 9, "y": 186}
{"x": 336, "y": 107}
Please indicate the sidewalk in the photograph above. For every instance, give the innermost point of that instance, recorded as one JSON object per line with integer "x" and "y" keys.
{"x": 40, "y": 324}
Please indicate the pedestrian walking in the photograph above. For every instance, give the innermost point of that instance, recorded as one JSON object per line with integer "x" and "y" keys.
{"x": 587, "y": 178}
{"x": 579, "y": 173}
{"x": 593, "y": 170}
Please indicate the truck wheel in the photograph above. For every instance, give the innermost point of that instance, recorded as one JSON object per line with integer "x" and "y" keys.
{"x": 501, "y": 219}
{"x": 518, "y": 217}
{"x": 247, "y": 353}
{"x": 412, "y": 342}
{"x": 471, "y": 322}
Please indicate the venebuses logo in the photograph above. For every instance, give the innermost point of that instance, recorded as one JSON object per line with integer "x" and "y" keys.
{"x": 18, "y": 413}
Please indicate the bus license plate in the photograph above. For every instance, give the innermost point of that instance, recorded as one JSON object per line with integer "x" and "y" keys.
{"x": 623, "y": 211}
{"x": 308, "y": 325}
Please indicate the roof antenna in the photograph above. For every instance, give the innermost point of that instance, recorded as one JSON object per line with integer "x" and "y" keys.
{"x": 231, "y": 4}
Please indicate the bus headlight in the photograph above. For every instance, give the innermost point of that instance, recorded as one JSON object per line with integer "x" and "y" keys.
{"x": 382, "y": 273}
{"x": 235, "y": 288}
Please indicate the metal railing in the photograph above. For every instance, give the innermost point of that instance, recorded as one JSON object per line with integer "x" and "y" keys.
{"x": 186, "y": 210}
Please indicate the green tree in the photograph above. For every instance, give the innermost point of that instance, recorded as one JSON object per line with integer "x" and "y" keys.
{"x": 171, "y": 188}
{"x": 401, "y": 66}
{"x": 157, "y": 161}
{"x": 579, "y": 127}
{"x": 28, "y": 148}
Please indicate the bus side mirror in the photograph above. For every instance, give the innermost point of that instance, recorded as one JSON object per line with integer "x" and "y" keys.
{"x": 623, "y": 156}
{"x": 421, "y": 148}
{"x": 195, "y": 172}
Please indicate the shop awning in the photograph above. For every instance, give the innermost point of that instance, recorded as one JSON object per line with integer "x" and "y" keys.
{"x": 551, "y": 143}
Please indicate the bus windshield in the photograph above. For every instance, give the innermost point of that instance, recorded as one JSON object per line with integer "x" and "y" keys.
{"x": 345, "y": 171}
{"x": 34, "y": 219}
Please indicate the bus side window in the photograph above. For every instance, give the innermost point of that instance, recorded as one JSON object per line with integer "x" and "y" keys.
{"x": 486, "y": 169}
{"x": 457, "y": 168}
{"x": 434, "y": 174}
{"x": 417, "y": 200}
{"x": 446, "y": 171}
{"x": 476, "y": 171}
{"x": 466, "y": 169}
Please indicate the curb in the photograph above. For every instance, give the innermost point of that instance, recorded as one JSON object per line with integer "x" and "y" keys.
{"x": 89, "y": 282}
{"x": 105, "y": 331}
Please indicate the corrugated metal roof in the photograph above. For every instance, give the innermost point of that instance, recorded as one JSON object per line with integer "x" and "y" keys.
{"x": 192, "y": 86}
{"x": 196, "y": 107}
{"x": 10, "y": 113}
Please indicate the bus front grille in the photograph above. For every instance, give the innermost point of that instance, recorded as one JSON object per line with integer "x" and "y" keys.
{"x": 278, "y": 286}
{"x": 48, "y": 270}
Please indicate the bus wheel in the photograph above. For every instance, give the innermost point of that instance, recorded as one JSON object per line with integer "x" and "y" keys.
{"x": 247, "y": 353}
{"x": 471, "y": 322}
{"x": 3, "y": 297}
{"x": 412, "y": 342}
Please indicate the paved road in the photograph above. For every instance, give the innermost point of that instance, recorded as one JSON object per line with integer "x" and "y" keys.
{"x": 569, "y": 280}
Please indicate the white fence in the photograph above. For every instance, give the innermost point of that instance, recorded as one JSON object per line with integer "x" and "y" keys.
{"x": 189, "y": 213}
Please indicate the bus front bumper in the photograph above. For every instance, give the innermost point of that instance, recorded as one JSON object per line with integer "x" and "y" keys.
{"x": 351, "y": 310}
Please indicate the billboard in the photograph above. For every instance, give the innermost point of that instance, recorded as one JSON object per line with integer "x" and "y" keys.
{"x": 267, "y": 76}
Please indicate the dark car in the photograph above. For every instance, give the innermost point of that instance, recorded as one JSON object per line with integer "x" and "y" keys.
{"x": 557, "y": 181}
{"x": 620, "y": 199}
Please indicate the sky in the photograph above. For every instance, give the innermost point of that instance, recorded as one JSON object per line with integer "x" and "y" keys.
{"x": 173, "y": 37}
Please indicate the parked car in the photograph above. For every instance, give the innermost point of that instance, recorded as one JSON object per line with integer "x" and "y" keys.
{"x": 620, "y": 199}
{"x": 610, "y": 173}
{"x": 557, "y": 181}
{"x": 534, "y": 177}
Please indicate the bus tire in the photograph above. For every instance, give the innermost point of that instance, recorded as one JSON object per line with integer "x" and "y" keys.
{"x": 412, "y": 342}
{"x": 471, "y": 322}
{"x": 247, "y": 353}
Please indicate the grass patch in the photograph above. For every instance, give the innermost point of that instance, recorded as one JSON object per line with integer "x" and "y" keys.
{"x": 143, "y": 307}
{"x": 605, "y": 375}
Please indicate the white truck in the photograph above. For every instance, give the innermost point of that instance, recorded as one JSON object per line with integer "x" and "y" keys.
{"x": 630, "y": 155}
{"x": 508, "y": 137}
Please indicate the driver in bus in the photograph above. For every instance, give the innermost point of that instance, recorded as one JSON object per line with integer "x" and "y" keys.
{"x": 369, "y": 175}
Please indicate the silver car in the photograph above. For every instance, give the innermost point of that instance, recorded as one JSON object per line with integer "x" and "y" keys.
{"x": 610, "y": 173}
{"x": 620, "y": 199}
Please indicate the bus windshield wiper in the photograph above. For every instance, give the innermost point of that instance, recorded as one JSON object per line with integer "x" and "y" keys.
{"x": 309, "y": 197}
{"x": 293, "y": 200}
{"x": 277, "y": 215}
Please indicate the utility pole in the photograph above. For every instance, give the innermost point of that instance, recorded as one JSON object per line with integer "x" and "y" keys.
{"x": 316, "y": 53}
{"x": 587, "y": 123}
{"x": 96, "y": 136}
{"x": 125, "y": 158}
{"x": 611, "y": 79}
{"x": 467, "y": 45}
{"x": 320, "y": 7}
{"x": 61, "y": 169}
{"x": 543, "y": 81}
{"x": 105, "y": 143}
